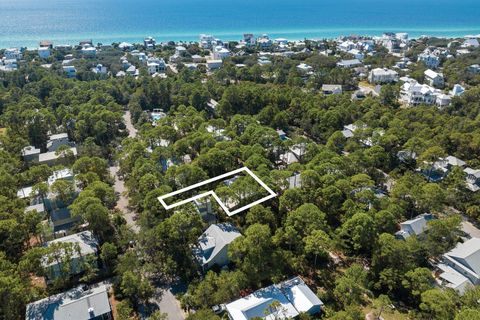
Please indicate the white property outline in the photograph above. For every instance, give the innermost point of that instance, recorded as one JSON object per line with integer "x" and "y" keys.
{"x": 271, "y": 195}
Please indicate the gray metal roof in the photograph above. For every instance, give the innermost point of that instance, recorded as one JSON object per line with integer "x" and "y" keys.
{"x": 75, "y": 304}
{"x": 214, "y": 239}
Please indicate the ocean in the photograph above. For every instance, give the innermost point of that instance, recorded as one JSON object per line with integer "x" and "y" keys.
{"x": 25, "y": 22}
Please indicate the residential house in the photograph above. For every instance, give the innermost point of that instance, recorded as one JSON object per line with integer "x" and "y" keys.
{"x": 12, "y": 54}
{"x": 460, "y": 267}
{"x": 434, "y": 79}
{"x": 35, "y": 202}
{"x": 214, "y": 64}
{"x": 84, "y": 243}
{"x": 30, "y": 154}
{"x": 328, "y": 89}
{"x": 264, "y": 60}
{"x": 380, "y": 75}
{"x": 349, "y": 130}
{"x": 304, "y": 69}
{"x": 294, "y": 181}
{"x": 46, "y": 44}
{"x": 471, "y": 42}
{"x": 357, "y": 54}
{"x": 413, "y": 93}
{"x": 125, "y": 46}
{"x": 207, "y": 41}
{"x": 52, "y": 157}
{"x": 472, "y": 179}
{"x": 156, "y": 65}
{"x": 264, "y": 42}
{"x": 212, "y": 247}
{"x": 349, "y": 63}
{"x": 44, "y": 52}
{"x": 70, "y": 71}
{"x": 415, "y": 226}
{"x": 430, "y": 60}
{"x": 440, "y": 168}
{"x": 81, "y": 303}
{"x": 457, "y": 90}
{"x": 149, "y": 43}
{"x": 221, "y": 53}
{"x": 89, "y": 51}
{"x": 100, "y": 69}
{"x": 285, "y": 300}
{"x": 197, "y": 58}
{"x": 474, "y": 68}
{"x": 55, "y": 141}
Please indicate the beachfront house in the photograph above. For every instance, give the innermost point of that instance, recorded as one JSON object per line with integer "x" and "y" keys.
{"x": 149, "y": 43}
{"x": 80, "y": 303}
{"x": 414, "y": 227}
{"x": 460, "y": 267}
{"x": 212, "y": 246}
{"x": 13, "y": 54}
{"x": 434, "y": 79}
{"x": 281, "y": 301}
{"x": 379, "y": 75}
{"x": 84, "y": 244}
{"x": 44, "y": 52}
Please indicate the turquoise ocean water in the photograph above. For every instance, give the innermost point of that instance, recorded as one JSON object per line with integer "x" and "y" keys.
{"x": 25, "y": 22}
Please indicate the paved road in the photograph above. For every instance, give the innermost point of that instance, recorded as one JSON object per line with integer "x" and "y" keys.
{"x": 168, "y": 304}
{"x": 470, "y": 229}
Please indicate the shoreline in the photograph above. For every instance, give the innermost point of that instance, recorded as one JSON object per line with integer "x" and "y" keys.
{"x": 32, "y": 43}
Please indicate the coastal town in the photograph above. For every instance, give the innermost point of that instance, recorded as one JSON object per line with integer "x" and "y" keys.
{"x": 250, "y": 179}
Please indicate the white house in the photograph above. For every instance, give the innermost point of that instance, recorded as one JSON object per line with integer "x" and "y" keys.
{"x": 213, "y": 245}
{"x": 413, "y": 93}
{"x": 221, "y": 53}
{"x": 415, "y": 226}
{"x": 434, "y": 79}
{"x": 149, "y": 43}
{"x": 285, "y": 300}
{"x": 357, "y": 54}
{"x": 70, "y": 71}
{"x": 12, "y": 54}
{"x": 55, "y": 141}
{"x": 264, "y": 42}
{"x": 349, "y": 63}
{"x": 207, "y": 41}
{"x": 461, "y": 266}
{"x": 304, "y": 68}
{"x": 44, "y": 52}
{"x": 84, "y": 244}
{"x": 80, "y": 303}
{"x": 156, "y": 65}
{"x": 380, "y": 75}
{"x": 471, "y": 42}
{"x": 125, "y": 46}
{"x": 89, "y": 51}
{"x": 430, "y": 60}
